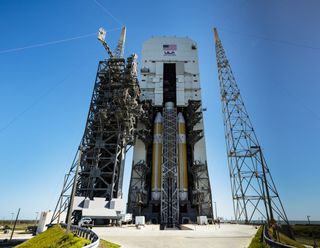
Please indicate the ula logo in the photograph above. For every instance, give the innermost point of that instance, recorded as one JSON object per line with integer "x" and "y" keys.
{"x": 169, "y": 49}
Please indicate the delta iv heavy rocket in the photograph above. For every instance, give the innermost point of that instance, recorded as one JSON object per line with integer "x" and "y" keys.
{"x": 169, "y": 180}
{"x": 157, "y": 158}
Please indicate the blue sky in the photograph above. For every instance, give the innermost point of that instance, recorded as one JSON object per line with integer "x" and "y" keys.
{"x": 274, "y": 50}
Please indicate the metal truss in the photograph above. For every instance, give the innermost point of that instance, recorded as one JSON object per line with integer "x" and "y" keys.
{"x": 169, "y": 174}
{"x": 201, "y": 192}
{"x": 109, "y": 130}
{"x": 138, "y": 192}
{"x": 193, "y": 117}
{"x": 64, "y": 198}
{"x": 137, "y": 197}
{"x": 253, "y": 190}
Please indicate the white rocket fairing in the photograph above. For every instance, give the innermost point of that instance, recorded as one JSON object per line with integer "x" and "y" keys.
{"x": 156, "y": 157}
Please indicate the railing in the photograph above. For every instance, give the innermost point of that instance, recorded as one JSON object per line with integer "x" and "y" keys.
{"x": 272, "y": 243}
{"x": 85, "y": 233}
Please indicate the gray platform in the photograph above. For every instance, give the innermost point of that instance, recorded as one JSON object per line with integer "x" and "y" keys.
{"x": 227, "y": 235}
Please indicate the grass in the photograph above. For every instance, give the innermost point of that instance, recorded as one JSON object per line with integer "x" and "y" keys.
{"x": 286, "y": 240}
{"x": 257, "y": 241}
{"x": 19, "y": 227}
{"x": 55, "y": 237}
{"x": 107, "y": 244}
{"x": 304, "y": 233}
{"x": 21, "y": 224}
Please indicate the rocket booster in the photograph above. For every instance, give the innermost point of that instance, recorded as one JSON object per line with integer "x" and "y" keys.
{"x": 182, "y": 158}
{"x": 156, "y": 158}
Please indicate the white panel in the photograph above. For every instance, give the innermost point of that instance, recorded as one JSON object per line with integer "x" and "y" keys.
{"x": 151, "y": 66}
{"x": 159, "y": 68}
{"x": 180, "y": 98}
{"x": 180, "y": 81}
{"x": 180, "y": 89}
{"x": 200, "y": 151}
{"x": 139, "y": 151}
{"x": 158, "y": 99}
{"x": 179, "y": 68}
{"x": 155, "y": 79}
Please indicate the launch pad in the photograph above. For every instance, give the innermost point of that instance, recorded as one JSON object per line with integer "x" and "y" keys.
{"x": 191, "y": 236}
{"x": 161, "y": 117}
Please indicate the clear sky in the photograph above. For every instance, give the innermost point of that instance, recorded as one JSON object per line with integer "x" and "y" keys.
{"x": 274, "y": 50}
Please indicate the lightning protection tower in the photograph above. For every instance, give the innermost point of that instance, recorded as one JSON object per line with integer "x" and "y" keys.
{"x": 253, "y": 190}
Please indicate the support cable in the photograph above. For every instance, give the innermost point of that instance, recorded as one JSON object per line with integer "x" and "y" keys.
{"x": 49, "y": 43}
{"x": 108, "y": 12}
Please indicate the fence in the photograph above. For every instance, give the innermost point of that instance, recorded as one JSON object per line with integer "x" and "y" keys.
{"x": 271, "y": 243}
{"x": 85, "y": 233}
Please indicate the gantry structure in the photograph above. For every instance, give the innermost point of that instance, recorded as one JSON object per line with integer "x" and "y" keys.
{"x": 97, "y": 170}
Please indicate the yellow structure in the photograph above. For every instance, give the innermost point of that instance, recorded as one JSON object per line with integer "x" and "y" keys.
{"x": 182, "y": 158}
{"x": 156, "y": 158}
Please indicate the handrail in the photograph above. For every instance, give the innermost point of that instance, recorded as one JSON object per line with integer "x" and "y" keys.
{"x": 272, "y": 243}
{"x": 84, "y": 233}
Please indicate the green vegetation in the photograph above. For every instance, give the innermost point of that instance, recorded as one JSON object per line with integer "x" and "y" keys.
{"x": 55, "y": 237}
{"x": 305, "y": 233}
{"x": 257, "y": 241}
{"x": 107, "y": 244}
{"x": 286, "y": 240}
{"x": 21, "y": 224}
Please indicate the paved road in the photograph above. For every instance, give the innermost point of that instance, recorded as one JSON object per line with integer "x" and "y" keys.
{"x": 228, "y": 236}
{"x": 17, "y": 235}
{"x": 17, "y": 238}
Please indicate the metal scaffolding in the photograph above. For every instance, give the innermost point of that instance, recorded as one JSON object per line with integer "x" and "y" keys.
{"x": 109, "y": 130}
{"x": 253, "y": 190}
{"x": 138, "y": 190}
{"x": 201, "y": 191}
{"x": 169, "y": 171}
{"x": 137, "y": 196}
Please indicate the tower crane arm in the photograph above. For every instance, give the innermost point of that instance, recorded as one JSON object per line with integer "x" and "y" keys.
{"x": 101, "y": 38}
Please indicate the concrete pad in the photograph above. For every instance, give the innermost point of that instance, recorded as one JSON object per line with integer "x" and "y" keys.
{"x": 227, "y": 235}
{"x": 17, "y": 235}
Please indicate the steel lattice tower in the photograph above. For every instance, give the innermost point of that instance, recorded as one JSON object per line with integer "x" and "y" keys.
{"x": 253, "y": 190}
{"x": 97, "y": 170}
{"x": 169, "y": 178}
